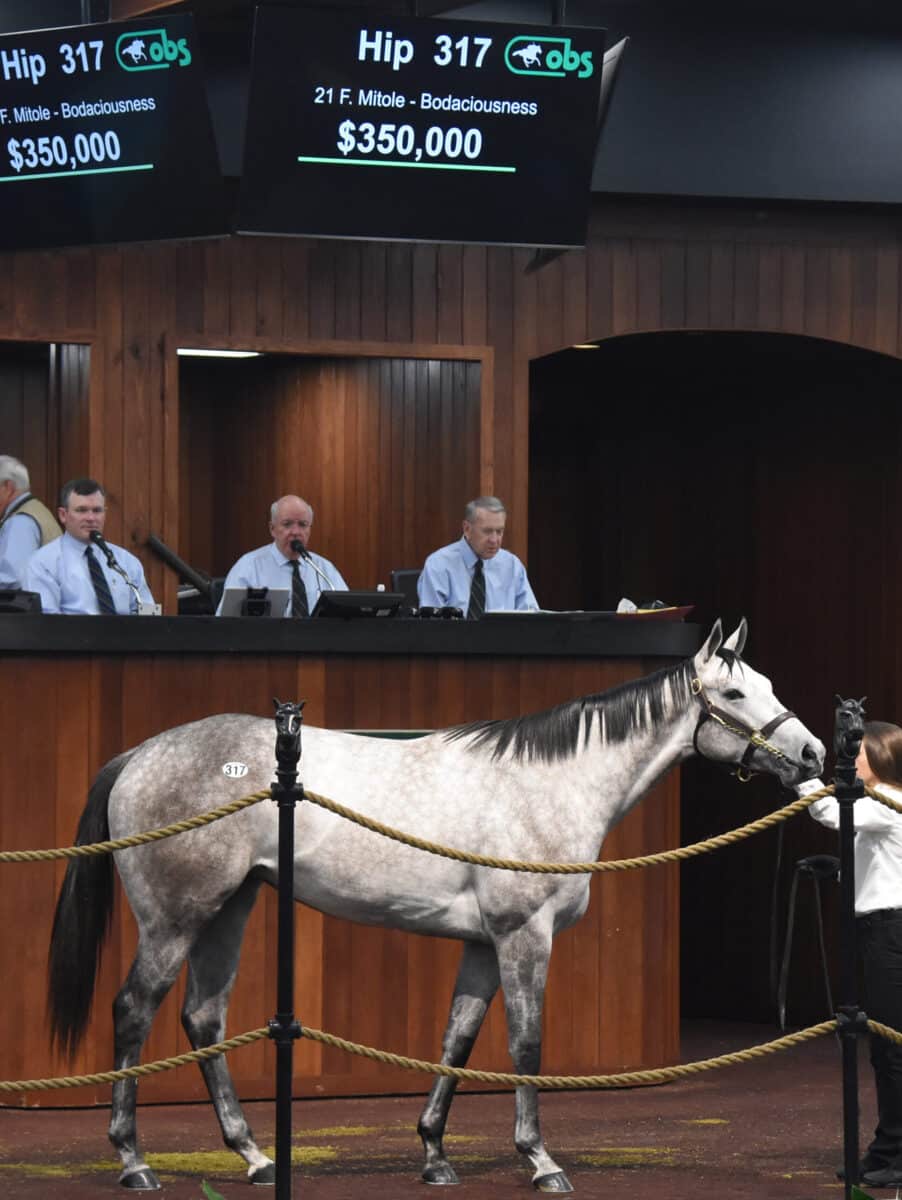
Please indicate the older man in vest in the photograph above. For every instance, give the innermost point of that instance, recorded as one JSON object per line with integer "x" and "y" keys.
{"x": 25, "y": 523}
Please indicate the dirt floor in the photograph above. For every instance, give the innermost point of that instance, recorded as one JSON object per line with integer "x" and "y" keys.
{"x": 770, "y": 1129}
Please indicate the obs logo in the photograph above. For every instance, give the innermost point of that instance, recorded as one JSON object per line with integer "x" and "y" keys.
{"x": 546, "y": 56}
{"x": 150, "y": 50}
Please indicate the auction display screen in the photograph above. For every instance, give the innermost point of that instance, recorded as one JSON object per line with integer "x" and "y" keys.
{"x": 105, "y": 136}
{"x": 364, "y": 126}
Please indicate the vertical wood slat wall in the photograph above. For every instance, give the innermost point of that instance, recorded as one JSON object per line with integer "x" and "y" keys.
{"x": 645, "y": 268}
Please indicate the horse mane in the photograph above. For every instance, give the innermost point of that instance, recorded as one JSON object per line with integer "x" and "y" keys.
{"x": 554, "y": 734}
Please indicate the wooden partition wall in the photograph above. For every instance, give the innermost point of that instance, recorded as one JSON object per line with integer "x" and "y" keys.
{"x": 382, "y": 447}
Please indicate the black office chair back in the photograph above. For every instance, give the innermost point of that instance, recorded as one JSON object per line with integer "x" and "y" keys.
{"x": 404, "y": 580}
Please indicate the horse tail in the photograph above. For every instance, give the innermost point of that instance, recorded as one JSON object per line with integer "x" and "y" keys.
{"x": 84, "y": 912}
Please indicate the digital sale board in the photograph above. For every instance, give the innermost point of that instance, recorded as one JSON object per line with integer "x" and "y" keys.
{"x": 105, "y": 136}
{"x": 365, "y": 126}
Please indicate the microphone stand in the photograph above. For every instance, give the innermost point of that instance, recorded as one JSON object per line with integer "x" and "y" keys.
{"x": 99, "y": 540}
{"x": 305, "y": 554}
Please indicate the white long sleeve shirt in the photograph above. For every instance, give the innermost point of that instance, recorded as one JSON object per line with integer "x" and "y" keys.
{"x": 878, "y": 845}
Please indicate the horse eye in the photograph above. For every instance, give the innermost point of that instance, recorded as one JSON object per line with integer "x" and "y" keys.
{"x": 734, "y": 694}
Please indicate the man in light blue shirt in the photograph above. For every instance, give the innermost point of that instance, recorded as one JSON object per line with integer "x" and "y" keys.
{"x": 474, "y": 574}
{"x": 75, "y": 574}
{"x": 287, "y": 558}
{"x": 25, "y": 524}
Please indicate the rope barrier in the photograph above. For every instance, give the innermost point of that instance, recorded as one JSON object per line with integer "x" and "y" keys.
{"x": 137, "y": 839}
{"x": 405, "y": 839}
{"x": 646, "y": 1078}
{"x": 576, "y": 868}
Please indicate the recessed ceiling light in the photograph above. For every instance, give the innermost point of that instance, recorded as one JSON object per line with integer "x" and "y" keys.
{"x": 192, "y": 352}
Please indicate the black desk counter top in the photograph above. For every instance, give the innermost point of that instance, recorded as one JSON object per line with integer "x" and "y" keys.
{"x": 530, "y": 635}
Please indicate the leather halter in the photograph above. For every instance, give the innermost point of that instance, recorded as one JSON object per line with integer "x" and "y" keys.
{"x": 756, "y": 738}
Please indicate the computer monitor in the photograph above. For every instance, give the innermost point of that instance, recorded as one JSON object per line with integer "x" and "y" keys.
{"x": 254, "y": 602}
{"x": 358, "y": 604}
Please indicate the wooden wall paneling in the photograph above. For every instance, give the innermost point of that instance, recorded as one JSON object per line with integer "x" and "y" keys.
{"x": 769, "y": 315}
{"x": 68, "y": 419}
{"x": 625, "y": 287}
{"x": 105, "y": 411}
{"x": 574, "y": 269}
{"x": 549, "y": 335}
{"x": 526, "y": 338}
{"x": 190, "y": 270}
{"x": 793, "y": 297}
{"x": 133, "y": 495}
{"x": 886, "y": 334}
{"x": 839, "y": 326}
{"x": 322, "y": 288}
{"x": 497, "y": 474}
{"x": 817, "y": 291}
{"x": 474, "y": 272}
{"x": 80, "y": 292}
{"x": 723, "y": 286}
{"x": 863, "y": 298}
{"x": 215, "y": 283}
{"x": 7, "y": 295}
{"x": 600, "y": 285}
{"x": 40, "y": 295}
{"x": 295, "y": 323}
{"x": 698, "y": 286}
{"x": 450, "y": 295}
{"x": 269, "y": 289}
{"x": 399, "y": 292}
{"x": 243, "y": 253}
{"x": 373, "y": 289}
{"x": 747, "y": 268}
{"x": 673, "y": 285}
{"x": 648, "y": 285}
{"x": 425, "y": 293}
{"x": 348, "y": 272}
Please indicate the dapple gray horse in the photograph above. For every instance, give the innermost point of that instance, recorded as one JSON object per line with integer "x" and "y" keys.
{"x": 542, "y": 787}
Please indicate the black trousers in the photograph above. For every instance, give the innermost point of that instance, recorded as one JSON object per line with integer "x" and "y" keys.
{"x": 880, "y": 946}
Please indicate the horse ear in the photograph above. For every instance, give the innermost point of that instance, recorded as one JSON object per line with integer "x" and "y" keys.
{"x": 712, "y": 645}
{"x": 736, "y": 640}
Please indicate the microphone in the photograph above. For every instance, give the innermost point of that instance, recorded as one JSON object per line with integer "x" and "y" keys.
{"x": 98, "y": 539}
{"x": 300, "y": 549}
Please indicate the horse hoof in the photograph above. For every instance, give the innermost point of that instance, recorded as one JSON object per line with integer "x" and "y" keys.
{"x": 556, "y": 1182}
{"x": 265, "y": 1174}
{"x": 142, "y": 1180}
{"x": 442, "y": 1174}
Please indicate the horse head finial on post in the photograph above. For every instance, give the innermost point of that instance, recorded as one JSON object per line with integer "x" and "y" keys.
{"x": 848, "y": 732}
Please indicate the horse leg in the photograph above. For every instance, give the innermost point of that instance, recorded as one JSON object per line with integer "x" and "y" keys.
{"x": 212, "y": 966}
{"x": 477, "y": 982}
{"x": 152, "y": 974}
{"x": 523, "y": 962}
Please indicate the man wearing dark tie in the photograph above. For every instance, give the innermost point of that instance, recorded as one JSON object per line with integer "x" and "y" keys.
{"x": 286, "y": 562}
{"x": 475, "y": 574}
{"x": 80, "y": 573}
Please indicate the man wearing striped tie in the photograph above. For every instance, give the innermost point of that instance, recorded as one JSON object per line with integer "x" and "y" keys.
{"x": 475, "y": 574}
{"x": 78, "y": 576}
{"x": 286, "y": 563}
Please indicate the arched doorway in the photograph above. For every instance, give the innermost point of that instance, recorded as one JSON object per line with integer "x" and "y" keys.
{"x": 749, "y": 474}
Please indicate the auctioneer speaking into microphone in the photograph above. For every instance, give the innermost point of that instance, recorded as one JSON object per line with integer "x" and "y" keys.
{"x": 80, "y": 573}
{"x": 286, "y": 562}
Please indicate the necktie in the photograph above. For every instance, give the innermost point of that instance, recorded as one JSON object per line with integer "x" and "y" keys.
{"x": 101, "y": 587}
{"x": 477, "y": 593}
{"x": 299, "y": 606}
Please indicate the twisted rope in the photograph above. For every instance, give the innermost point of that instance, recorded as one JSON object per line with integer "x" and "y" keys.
{"x": 586, "y": 868}
{"x": 153, "y": 1068}
{"x": 624, "y": 1079}
{"x": 406, "y": 839}
{"x": 893, "y": 804}
{"x": 136, "y": 839}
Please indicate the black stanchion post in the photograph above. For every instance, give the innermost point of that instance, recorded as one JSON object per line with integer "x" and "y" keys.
{"x": 283, "y": 1028}
{"x": 849, "y": 730}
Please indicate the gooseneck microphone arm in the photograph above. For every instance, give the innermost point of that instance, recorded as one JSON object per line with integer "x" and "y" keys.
{"x": 299, "y": 548}
{"x": 98, "y": 539}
